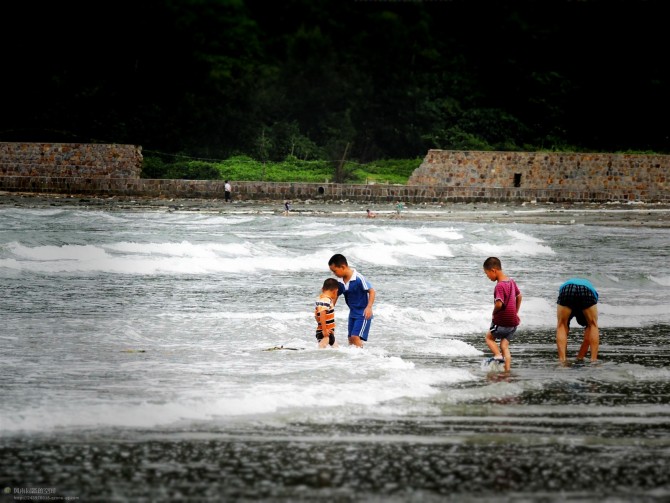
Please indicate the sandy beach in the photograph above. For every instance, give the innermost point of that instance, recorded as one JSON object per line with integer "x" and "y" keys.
{"x": 652, "y": 215}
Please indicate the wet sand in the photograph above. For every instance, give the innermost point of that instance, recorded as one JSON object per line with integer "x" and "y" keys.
{"x": 653, "y": 215}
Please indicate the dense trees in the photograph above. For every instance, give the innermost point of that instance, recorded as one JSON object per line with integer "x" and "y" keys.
{"x": 315, "y": 78}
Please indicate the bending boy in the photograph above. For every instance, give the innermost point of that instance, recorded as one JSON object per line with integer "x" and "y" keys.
{"x": 577, "y": 298}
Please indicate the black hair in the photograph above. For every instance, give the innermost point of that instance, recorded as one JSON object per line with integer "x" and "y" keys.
{"x": 492, "y": 263}
{"x": 330, "y": 284}
{"x": 338, "y": 260}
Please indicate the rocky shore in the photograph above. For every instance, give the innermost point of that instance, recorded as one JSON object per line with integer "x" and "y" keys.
{"x": 615, "y": 214}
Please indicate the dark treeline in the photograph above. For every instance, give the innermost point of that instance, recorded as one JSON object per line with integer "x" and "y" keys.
{"x": 318, "y": 78}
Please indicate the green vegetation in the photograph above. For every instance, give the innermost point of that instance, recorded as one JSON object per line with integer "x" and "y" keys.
{"x": 327, "y": 80}
{"x": 395, "y": 171}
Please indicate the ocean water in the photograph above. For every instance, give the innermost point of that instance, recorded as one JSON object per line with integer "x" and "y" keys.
{"x": 135, "y": 362}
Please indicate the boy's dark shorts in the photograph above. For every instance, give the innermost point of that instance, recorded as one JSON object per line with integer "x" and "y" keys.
{"x": 331, "y": 338}
{"x": 579, "y": 316}
{"x": 576, "y": 297}
{"x": 500, "y": 333}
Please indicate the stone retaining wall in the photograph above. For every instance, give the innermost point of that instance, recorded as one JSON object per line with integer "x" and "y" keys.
{"x": 304, "y": 191}
{"x": 632, "y": 177}
{"x": 444, "y": 176}
{"x": 72, "y": 160}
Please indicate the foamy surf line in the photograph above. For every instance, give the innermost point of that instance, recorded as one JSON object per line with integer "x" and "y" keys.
{"x": 636, "y": 212}
{"x": 283, "y": 402}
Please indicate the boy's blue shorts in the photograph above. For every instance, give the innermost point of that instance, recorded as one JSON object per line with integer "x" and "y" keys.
{"x": 359, "y": 326}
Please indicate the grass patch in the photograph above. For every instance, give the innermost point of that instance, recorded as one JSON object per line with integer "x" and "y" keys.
{"x": 243, "y": 168}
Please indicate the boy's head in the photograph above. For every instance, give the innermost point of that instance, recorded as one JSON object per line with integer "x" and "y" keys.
{"x": 492, "y": 266}
{"x": 330, "y": 284}
{"x": 492, "y": 263}
{"x": 338, "y": 265}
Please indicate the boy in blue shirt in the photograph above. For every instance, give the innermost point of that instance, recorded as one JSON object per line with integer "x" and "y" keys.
{"x": 359, "y": 295}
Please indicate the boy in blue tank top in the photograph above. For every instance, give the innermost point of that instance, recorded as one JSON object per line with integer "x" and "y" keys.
{"x": 359, "y": 296}
{"x": 577, "y": 298}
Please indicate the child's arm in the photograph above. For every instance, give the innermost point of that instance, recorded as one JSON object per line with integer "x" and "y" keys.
{"x": 321, "y": 319}
{"x": 497, "y": 306}
{"x": 518, "y": 302}
{"x": 340, "y": 291}
{"x": 371, "y": 300}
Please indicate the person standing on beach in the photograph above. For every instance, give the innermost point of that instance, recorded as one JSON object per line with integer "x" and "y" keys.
{"x": 324, "y": 313}
{"x": 359, "y": 296}
{"x": 506, "y": 304}
{"x": 227, "y": 189}
{"x": 398, "y": 209}
{"x": 577, "y": 298}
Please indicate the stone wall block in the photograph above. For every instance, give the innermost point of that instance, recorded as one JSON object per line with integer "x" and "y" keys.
{"x": 627, "y": 173}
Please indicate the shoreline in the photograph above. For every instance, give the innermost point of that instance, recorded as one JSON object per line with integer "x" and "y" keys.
{"x": 651, "y": 215}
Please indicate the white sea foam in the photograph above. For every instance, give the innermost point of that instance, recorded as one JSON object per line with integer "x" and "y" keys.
{"x": 374, "y": 378}
{"x": 159, "y": 258}
{"x": 148, "y": 320}
{"x": 522, "y": 236}
{"x": 512, "y": 248}
{"x": 392, "y": 236}
{"x": 184, "y": 249}
{"x": 632, "y": 315}
{"x": 661, "y": 280}
{"x": 448, "y": 233}
{"x": 640, "y": 373}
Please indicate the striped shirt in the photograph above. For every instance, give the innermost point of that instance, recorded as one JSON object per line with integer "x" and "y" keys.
{"x": 506, "y": 292}
{"x": 325, "y": 303}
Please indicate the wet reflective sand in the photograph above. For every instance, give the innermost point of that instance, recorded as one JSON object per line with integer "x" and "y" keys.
{"x": 600, "y": 432}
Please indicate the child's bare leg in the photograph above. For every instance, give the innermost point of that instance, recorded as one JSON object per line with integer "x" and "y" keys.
{"x": 584, "y": 348}
{"x": 562, "y": 318}
{"x": 593, "y": 334}
{"x": 491, "y": 343}
{"x": 355, "y": 340}
{"x": 504, "y": 346}
{"x": 591, "y": 315}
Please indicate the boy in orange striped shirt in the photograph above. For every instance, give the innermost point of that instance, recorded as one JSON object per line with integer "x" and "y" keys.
{"x": 324, "y": 313}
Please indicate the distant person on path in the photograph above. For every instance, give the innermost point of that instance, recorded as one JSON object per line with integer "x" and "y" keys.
{"x": 577, "y": 298}
{"x": 359, "y": 295}
{"x": 398, "y": 209}
{"x": 227, "y": 190}
{"x": 324, "y": 313}
{"x": 371, "y": 214}
{"x": 287, "y": 208}
{"x": 506, "y": 304}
